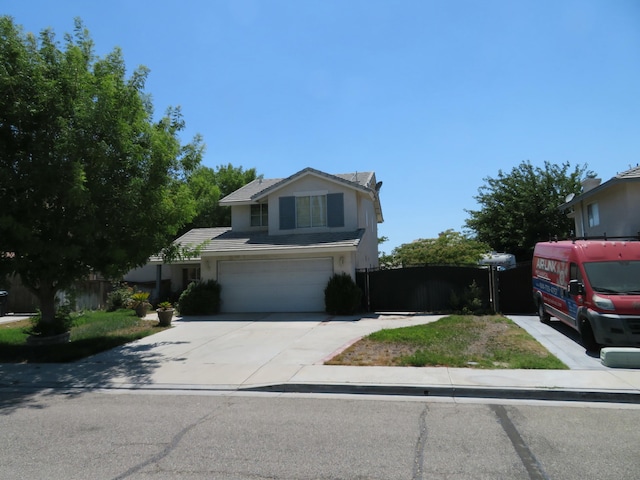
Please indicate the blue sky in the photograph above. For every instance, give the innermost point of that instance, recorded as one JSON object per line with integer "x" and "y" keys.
{"x": 433, "y": 96}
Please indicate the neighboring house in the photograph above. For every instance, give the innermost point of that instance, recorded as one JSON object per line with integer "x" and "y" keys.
{"x": 287, "y": 238}
{"x": 609, "y": 209}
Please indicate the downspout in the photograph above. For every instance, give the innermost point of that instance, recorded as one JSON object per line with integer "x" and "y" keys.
{"x": 158, "y": 281}
{"x": 582, "y": 219}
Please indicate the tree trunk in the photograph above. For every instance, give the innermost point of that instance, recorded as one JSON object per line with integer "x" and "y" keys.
{"x": 47, "y": 298}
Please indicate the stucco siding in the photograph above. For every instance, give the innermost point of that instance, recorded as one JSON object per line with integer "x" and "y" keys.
{"x": 618, "y": 211}
{"x": 313, "y": 185}
{"x": 367, "y": 255}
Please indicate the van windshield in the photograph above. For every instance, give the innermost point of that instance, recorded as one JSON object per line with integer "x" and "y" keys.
{"x": 614, "y": 277}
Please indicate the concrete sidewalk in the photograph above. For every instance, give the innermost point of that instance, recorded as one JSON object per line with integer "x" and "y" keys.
{"x": 286, "y": 352}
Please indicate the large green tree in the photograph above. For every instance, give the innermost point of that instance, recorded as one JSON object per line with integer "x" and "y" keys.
{"x": 208, "y": 186}
{"x": 449, "y": 248}
{"x": 89, "y": 181}
{"x": 520, "y": 208}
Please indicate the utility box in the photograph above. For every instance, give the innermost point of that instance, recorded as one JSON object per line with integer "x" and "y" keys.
{"x": 620, "y": 357}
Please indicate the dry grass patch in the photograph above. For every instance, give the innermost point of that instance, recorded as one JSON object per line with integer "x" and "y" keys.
{"x": 490, "y": 341}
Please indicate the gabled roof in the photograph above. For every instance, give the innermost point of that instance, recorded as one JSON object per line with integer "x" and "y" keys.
{"x": 224, "y": 241}
{"x": 631, "y": 175}
{"x": 194, "y": 238}
{"x": 261, "y": 188}
{"x": 247, "y": 192}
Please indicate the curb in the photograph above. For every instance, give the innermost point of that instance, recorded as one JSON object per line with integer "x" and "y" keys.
{"x": 456, "y": 392}
{"x": 504, "y": 393}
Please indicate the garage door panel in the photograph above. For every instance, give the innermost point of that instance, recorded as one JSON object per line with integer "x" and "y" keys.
{"x": 274, "y": 285}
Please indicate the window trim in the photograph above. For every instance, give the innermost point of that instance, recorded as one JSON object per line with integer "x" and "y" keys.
{"x": 335, "y": 210}
{"x": 313, "y": 214}
{"x": 263, "y": 216}
{"x": 593, "y": 214}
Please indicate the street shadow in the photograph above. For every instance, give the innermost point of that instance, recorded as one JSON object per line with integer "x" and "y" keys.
{"x": 23, "y": 385}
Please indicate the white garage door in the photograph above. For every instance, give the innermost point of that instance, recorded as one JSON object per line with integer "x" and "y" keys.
{"x": 274, "y": 285}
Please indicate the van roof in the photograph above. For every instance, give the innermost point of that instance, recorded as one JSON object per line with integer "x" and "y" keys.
{"x": 590, "y": 250}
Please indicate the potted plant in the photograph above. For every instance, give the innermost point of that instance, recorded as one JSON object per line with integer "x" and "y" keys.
{"x": 139, "y": 302}
{"x": 165, "y": 313}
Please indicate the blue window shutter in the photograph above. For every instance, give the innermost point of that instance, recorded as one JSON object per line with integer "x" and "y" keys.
{"x": 287, "y": 213}
{"x": 335, "y": 210}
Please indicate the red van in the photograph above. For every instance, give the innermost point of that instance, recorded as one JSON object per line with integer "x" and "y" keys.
{"x": 592, "y": 286}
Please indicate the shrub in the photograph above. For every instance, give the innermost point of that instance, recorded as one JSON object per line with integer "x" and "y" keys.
{"x": 119, "y": 297}
{"x": 200, "y": 298}
{"x": 62, "y": 323}
{"x": 469, "y": 302}
{"x": 342, "y": 296}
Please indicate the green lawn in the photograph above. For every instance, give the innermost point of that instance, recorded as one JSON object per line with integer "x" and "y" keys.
{"x": 455, "y": 341}
{"x": 92, "y": 332}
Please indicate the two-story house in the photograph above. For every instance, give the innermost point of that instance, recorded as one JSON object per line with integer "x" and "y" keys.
{"x": 609, "y": 209}
{"x": 288, "y": 236}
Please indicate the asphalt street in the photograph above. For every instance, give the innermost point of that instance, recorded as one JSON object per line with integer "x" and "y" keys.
{"x": 146, "y": 435}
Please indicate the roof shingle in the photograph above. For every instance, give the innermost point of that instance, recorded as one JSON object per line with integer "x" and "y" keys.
{"x": 631, "y": 173}
{"x": 224, "y": 240}
{"x": 259, "y": 186}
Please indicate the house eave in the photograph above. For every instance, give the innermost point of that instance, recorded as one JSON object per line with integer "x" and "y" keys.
{"x": 306, "y": 172}
{"x": 187, "y": 261}
{"x": 251, "y": 252}
{"x": 596, "y": 190}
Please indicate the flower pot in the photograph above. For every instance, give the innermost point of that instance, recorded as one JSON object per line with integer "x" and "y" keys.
{"x": 142, "y": 309}
{"x": 164, "y": 317}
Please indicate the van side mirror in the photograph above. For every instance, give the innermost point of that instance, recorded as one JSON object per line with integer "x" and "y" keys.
{"x": 575, "y": 287}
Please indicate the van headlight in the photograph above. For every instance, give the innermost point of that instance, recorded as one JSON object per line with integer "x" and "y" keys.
{"x": 603, "y": 303}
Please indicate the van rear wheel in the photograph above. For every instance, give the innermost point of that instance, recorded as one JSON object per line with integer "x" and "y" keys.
{"x": 544, "y": 316}
{"x": 587, "y": 337}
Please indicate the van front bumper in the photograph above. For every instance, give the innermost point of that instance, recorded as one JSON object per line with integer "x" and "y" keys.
{"x": 615, "y": 330}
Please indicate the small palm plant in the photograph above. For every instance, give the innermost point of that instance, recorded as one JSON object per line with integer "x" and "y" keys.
{"x": 164, "y": 306}
{"x": 140, "y": 303}
{"x": 165, "y": 313}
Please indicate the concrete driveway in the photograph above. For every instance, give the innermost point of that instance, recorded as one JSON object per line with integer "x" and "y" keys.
{"x": 230, "y": 350}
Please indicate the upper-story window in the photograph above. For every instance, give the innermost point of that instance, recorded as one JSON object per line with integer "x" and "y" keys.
{"x": 311, "y": 211}
{"x": 593, "y": 215}
{"x": 260, "y": 215}
{"x": 315, "y": 209}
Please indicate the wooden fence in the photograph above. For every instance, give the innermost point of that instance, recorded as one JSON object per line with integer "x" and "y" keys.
{"x": 87, "y": 295}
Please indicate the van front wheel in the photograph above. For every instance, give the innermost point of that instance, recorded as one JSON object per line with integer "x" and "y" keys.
{"x": 586, "y": 334}
{"x": 544, "y": 316}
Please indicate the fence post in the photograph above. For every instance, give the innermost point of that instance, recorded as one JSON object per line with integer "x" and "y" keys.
{"x": 495, "y": 294}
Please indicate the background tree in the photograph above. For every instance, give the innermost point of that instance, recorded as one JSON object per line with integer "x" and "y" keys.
{"x": 90, "y": 182}
{"x": 202, "y": 183}
{"x": 208, "y": 186}
{"x": 520, "y": 208}
{"x": 450, "y": 248}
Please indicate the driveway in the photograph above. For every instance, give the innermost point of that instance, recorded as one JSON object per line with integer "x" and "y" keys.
{"x": 561, "y": 340}
{"x": 239, "y": 350}
{"x": 248, "y": 349}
